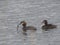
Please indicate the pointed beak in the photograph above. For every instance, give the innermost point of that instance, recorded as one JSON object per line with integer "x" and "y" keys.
{"x": 18, "y": 24}
{"x": 18, "y": 27}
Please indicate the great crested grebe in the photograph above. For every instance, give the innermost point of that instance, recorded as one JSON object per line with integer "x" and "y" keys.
{"x": 47, "y": 26}
{"x": 25, "y": 27}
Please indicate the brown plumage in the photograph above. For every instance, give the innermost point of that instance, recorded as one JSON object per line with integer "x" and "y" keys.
{"x": 47, "y": 26}
{"x": 25, "y": 27}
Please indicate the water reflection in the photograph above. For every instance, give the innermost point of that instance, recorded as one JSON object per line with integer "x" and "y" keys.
{"x": 24, "y": 33}
{"x": 46, "y": 37}
{"x": 29, "y": 38}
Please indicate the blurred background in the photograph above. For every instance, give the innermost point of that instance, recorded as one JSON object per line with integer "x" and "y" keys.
{"x": 12, "y": 12}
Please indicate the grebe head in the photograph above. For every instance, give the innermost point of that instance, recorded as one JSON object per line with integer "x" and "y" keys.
{"x": 23, "y": 23}
{"x": 45, "y": 22}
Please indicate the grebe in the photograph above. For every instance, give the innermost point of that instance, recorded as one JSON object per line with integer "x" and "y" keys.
{"x": 25, "y": 27}
{"x": 47, "y": 26}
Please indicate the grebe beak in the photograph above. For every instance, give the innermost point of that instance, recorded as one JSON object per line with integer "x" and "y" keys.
{"x": 20, "y": 23}
{"x": 17, "y": 28}
{"x": 42, "y": 22}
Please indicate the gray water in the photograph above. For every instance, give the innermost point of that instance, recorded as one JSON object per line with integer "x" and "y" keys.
{"x": 33, "y": 12}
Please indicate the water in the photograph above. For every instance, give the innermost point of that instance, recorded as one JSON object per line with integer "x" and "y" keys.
{"x": 33, "y": 12}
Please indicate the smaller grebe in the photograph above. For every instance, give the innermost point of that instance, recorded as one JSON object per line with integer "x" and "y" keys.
{"x": 25, "y": 27}
{"x": 47, "y": 26}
